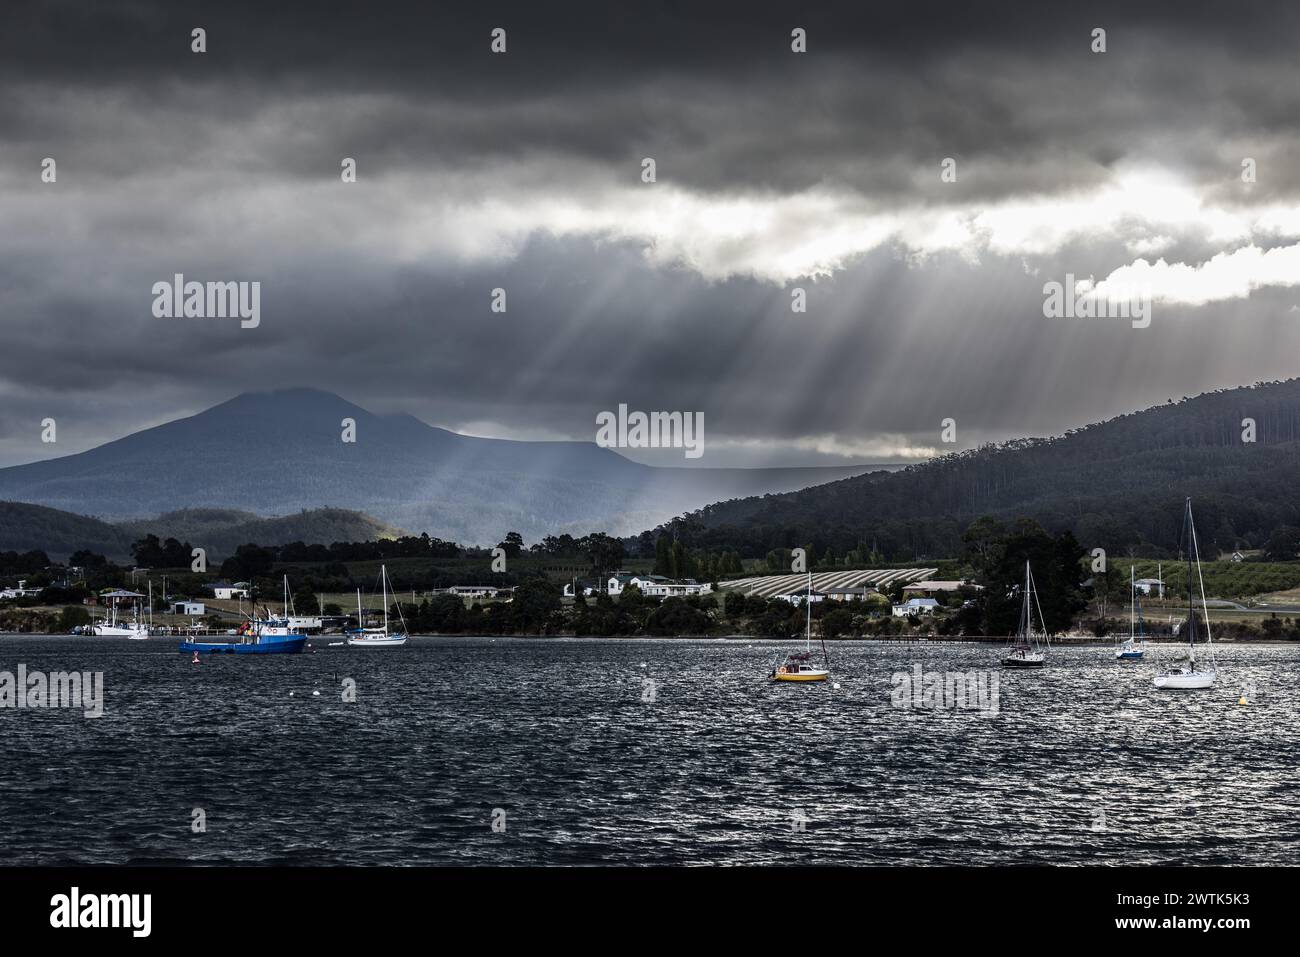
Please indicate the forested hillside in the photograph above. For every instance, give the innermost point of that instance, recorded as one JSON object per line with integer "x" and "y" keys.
{"x": 1118, "y": 484}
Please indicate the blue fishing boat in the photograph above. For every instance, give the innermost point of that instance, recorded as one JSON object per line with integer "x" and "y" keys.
{"x": 258, "y": 636}
{"x": 249, "y": 643}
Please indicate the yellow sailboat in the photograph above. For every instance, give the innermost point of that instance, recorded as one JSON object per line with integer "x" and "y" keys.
{"x": 798, "y": 666}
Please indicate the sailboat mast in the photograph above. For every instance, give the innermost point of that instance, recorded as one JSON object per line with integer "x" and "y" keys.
{"x": 383, "y": 574}
{"x": 1200, "y": 580}
{"x": 360, "y": 622}
{"x": 1191, "y": 604}
{"x": 807, "y": 640}
{"x": 1132, "y": 604}
{"x": 1026, "y": 612}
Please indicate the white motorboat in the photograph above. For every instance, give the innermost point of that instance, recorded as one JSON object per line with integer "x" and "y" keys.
{"x": 110, "y": 627}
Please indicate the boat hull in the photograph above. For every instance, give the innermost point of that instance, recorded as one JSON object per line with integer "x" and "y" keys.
{"x": 1128, "y": 655}
{"x": 1188, "y": 681}
{"x": 814, "y": 675}
{"x": 1029, "y": 661}
{"x": 377, "y": 642}
{"x": 275, "y": 645}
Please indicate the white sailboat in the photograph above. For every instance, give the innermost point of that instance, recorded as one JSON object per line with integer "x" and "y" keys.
{"x": 1025, "y": 649}
{"x": 282, "y": 626}
{"x": 798, "y": 666}
{"x": 1133, "y": 647}
{"x": 143, "y": 630}
{"x": 365, "y": 637}
{"x": 1186, "y": 673}
{"x": 110, "y": 627}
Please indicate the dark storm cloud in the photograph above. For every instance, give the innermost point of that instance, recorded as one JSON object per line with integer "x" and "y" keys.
{"x": 884, "y": 93}
{"x": 225, "y": 166}
{"x": 881, "y": 351}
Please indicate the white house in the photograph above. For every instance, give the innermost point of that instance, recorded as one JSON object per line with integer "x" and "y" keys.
{"x": 916, "y": 606}
{"x": 19, "y": 591}
{"x": 187, "y": 608}
{"x": 617, "y": 582}
{"x": 797, "y": 597}
{"x": 1148, "y": 585}
{"x": 692, "y": 587}
{"x": 588, "y": 589}
{"x": 226, "y": 592}
{"x": 473, "y": 591}
{"x": 848, "y": 592}
{"x": 928, "y": 589}
{"x": 656, "y": 586}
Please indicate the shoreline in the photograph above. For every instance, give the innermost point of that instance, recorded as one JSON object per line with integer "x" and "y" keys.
{"x": 875, "y": 639}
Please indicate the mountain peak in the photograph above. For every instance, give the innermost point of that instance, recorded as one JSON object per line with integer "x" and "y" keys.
{"x": 293, "y": 397}
{"x": 278, "y": 451}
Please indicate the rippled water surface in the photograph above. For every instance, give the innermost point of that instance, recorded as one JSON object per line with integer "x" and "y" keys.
{"x": 1085, "y": 761}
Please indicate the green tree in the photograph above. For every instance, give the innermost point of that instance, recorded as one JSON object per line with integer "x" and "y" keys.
{"x": 73, "y": 616}
{"x": 1283, "y": 545}
{"x": 837, "y": 622}
{"x": 605, "y": 552}
{"x": 1109, "y": 587}
{"x": 513, "y": 544}
{"x": 1055, "y": 563}
{"x": 148, "y": 552}
{"x": 663, "y": 556}
{"x": 676, "y": 616}
{"x": 249, "y": 561}
{"x": 535, "y": 601}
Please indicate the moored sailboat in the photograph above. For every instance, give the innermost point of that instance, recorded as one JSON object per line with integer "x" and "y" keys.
{"x": 1133, "y": 647}
{"x": 281, "y": 626}
{"x": 1026, "y": 650}
{"x": 364, "y": 637}
{"x": 798, "y": 666}
{"x": 1186, "y": 673}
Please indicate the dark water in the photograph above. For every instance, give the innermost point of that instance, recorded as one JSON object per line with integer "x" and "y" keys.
{"x": 716, "y": 769}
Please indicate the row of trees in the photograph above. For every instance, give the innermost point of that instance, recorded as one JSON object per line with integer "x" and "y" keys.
{"x": 13, "y": 564}
{"x": 674, "y": 560}
{"x": 150, "y": 552}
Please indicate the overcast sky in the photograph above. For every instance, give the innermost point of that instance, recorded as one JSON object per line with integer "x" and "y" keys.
{"x": 522, "y": 170}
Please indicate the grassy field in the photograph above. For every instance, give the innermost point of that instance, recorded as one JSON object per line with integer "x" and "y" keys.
{"x": 1230, "y": 580}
